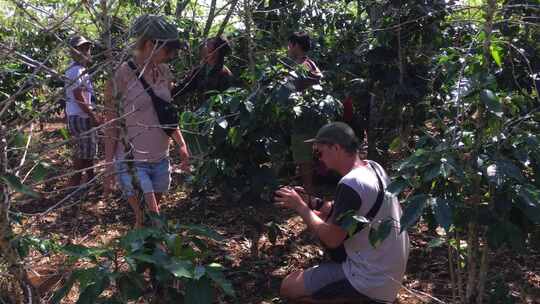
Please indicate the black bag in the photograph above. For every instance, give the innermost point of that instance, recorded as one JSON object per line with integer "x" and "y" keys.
{"x": 167, "y": 112}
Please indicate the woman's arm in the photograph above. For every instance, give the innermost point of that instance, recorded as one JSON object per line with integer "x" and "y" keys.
{"x": 182, "y": 149}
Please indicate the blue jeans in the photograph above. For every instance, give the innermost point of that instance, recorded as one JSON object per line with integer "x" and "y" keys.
{"x": 152, "y": 177}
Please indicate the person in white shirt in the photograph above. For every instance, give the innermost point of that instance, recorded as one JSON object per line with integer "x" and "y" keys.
{"x": 80, "y": 110}
{"x": 357, "y": 271}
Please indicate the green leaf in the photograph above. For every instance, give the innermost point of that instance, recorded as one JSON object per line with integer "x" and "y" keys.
{"x": 377, "y": 235}
{"x": 352, "y": 222}
{"x": 273, "y": 231}
{"x": 199, "y": 292}
{"x": 414, "y": 208}
{"x": 79, "y": 251}
{"x": 92, "y": 292}
{"x": 495, "y": 53}
{"x": 443, "y": 212}
{"x": 432, "y": 172}
{"x": 234, "y": 137}
{"x": 176, "y": 245}
{"x": 438, "y": 242}
{"x": 134, "y": 239}
{"x": 144, "y": 258}
{"x": 64, "y": 132}
{"x": 492, "y": 102}
{"x": 397, "y": 186}
{"x": 41, "y": 171}
{"x": 347, "y": 222}
{"x": 180, "y": 269}
{"x": 395, "y": 145}
{"x": 131, "y": 286}
{"x": 198, "y": 272}
{"x": 215, "y": 272}
{"x": 15, "y": 183}
{"x": 20, "y": 140}
{"x": 87, "y": 276}
{"x": 202, "y": 231}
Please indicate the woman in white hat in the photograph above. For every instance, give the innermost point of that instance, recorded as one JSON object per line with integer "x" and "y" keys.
{"x": 144, "y": 138}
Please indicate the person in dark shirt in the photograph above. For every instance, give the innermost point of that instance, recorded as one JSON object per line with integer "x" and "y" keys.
{"x": 210, "y": 75}
{"x": 299, "y": 43}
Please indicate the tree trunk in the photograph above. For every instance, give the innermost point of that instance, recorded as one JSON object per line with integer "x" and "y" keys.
{"x": 210, "y": 20}
{"x": 451, "y": 263}
{"x": 482, "y": 275}
{"x": 180, "y": 7}
{"x": 248, "y": 22}
{"x": 234, "y": 3}
{"x": 472, "y": 261}
{"x": 488, "y": 27}
{"x": 459, "y": 276}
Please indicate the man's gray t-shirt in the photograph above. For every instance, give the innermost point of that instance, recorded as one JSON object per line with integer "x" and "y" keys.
{"x": 374, "y": 272}
{"x": 78, "y": 77}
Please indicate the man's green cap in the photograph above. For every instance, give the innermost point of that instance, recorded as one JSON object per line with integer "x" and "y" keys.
{"x": 157, "y": 28}
{"x": 334, "y": 133}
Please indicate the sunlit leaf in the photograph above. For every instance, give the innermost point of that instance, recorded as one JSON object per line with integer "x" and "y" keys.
{"x": 395, "y": 144}
{"x": 377, "y": 235}
{"x": 495, "y": 53}
{"x": 64, "y": 132}
{"x": 180, "y": 269}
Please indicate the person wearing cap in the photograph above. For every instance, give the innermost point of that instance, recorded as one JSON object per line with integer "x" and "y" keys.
{"x": 147, "y": 143}
{"x": 299, "y": 43}
{"x": 210, "y": 75}
{"x": 357, "y": 272}
{"x": 79, "y": 109}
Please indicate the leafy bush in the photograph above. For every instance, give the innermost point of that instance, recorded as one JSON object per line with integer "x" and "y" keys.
{"x": 166, "y": 262}
{"x": 243, "y": 137}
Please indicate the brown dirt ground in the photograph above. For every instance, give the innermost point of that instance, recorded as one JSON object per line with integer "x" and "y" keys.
{"x": 254, "y": 265}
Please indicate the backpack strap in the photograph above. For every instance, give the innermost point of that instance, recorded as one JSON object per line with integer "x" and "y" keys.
{"x": 380, "y": 197}
{"x": 145, "y": 84}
